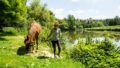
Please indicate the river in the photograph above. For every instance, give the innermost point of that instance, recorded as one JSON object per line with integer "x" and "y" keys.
{"x": 71, "y": 38}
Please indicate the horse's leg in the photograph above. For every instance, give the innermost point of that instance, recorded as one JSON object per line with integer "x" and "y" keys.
{"x": 27, "y": 48}
{"x": 37, "y": 41}
{"x": 33, "y": 47}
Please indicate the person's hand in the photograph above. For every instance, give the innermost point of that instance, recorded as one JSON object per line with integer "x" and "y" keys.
{"x": 46, "y": 39}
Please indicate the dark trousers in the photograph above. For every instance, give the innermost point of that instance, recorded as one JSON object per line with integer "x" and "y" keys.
{"x": 54, "y": 47}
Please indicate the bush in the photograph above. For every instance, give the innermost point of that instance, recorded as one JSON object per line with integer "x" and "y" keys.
{"x": 99, "y": 55}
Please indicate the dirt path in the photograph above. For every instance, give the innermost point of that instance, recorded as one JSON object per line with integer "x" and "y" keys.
{"x": 45, "y": 52}
{"x": 42, "y": 52}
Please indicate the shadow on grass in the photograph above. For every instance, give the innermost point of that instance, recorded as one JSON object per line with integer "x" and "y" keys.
{"x": 7, "y": 33}
{"x": 21, "y": 50}
{"x": 3, "y": 39}
{"x": 43, "y": 57}
{"x": 2, "y": 34}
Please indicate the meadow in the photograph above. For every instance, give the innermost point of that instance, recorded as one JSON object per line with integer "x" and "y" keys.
{"x": 87, "y": 54}
{"x": 16, "y": 17}
{"x": 12, "y": 54}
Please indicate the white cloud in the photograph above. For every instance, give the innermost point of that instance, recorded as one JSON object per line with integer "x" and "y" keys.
{"x": 119, "y": 7}
{"x": 59, "y": 13}
{"x": 85, "y": 13}
{"x": 90, "y": 13}
{"x": 81, "y": 14}
{"x": 96, "y": 1}
{"x": 75, "y": 0}
{"x": 76, "y": 12}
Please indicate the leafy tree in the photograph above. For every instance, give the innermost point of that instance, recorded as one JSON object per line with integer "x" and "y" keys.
{"x": 40, "y": 13}
{"x": 99, "y": 24}
{"x": 113, "y": 21}
{"x": 117, "y": 20}
{"x": 79, "y": 24}
{"x": 63, "y": 24}
{"x": 12, "y": 13}
{"x": 71, "y": 22}
{"x": 88, "y": 23}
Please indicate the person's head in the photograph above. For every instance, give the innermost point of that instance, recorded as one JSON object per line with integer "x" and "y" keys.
{"x": 56, "y": 25}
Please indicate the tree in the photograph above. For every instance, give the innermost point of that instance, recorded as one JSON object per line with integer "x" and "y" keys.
{"x": 71, "y": 22}
{"x": 12, "y": 13}
{"x": 88, "y": 23}
{"x": 79, "y": 24}
{"x": 40, "y": 13}
{"x": 117, "y": 20}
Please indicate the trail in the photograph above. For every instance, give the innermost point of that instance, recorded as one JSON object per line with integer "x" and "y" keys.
{"x": 43, "y": 53}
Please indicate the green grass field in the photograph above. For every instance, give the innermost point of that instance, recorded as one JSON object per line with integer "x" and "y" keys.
{"x": 12, "y": 56}
{"x": 105, "y": 28}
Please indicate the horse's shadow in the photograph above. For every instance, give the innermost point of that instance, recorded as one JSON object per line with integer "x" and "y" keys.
{"x": 21, "y": 51}
{"x": 43, "y": 57}
{"x": 3, "y": 39}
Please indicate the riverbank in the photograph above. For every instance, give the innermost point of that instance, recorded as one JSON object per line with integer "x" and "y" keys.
{"x": 104, "y": 28}
{"x": 12, "y": 51}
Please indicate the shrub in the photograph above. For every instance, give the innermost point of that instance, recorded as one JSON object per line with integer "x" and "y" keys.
{"x": 99, "y": 55}
{"x": 89, "y": 40}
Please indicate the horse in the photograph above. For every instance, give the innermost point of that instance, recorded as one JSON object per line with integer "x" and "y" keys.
{"x": 31, "y": 39}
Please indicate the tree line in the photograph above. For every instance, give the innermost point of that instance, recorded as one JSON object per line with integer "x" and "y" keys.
{"x": 15, "y": 13}
{"x": 72, "y": 23}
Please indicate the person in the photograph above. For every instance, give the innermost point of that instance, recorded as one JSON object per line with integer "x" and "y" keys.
{"x": 55, "y": 38}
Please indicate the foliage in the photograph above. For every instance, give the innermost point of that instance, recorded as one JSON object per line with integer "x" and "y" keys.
{"x": 105, "y": 28}
{"x": 40, "y": 13}
{"x": 99, "y": 55}
{"x": 88, "y": 40}
{"x": 113, "y": 21}
{"x": 12, "y": 13}
{"x": 71, "y": 22}
{"x": 89, "y": 23}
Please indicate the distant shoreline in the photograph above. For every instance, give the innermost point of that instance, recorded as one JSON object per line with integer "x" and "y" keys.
{"x": 104, "y": 28}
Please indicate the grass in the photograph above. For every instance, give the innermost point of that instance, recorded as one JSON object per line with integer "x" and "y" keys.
{"x": 10, "y": 58}
{"x": 105, "y": 28}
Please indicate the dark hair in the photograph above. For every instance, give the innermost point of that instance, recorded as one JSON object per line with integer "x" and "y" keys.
{"x": 56, "y": 24}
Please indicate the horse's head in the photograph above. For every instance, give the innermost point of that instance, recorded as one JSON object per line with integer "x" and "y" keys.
{"x": 28, "y": 41}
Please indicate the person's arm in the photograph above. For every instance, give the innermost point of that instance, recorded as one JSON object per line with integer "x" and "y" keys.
{"x": 60, "y": 33}
{"x": 49, "y": 34}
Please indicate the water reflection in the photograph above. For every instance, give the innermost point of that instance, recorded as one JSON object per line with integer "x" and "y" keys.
{"x": 73, "y": 37}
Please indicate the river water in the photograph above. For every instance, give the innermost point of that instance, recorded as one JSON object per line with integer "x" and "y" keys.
{"x": 71, "y": 38}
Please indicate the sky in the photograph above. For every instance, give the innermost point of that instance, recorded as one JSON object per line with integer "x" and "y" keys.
{"x": 84, "y": 9}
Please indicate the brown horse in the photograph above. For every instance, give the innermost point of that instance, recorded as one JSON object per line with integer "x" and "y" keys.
{"x": 32, "y": 37}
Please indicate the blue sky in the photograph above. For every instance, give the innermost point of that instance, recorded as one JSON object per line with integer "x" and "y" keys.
{"x": 83, "y": 9}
